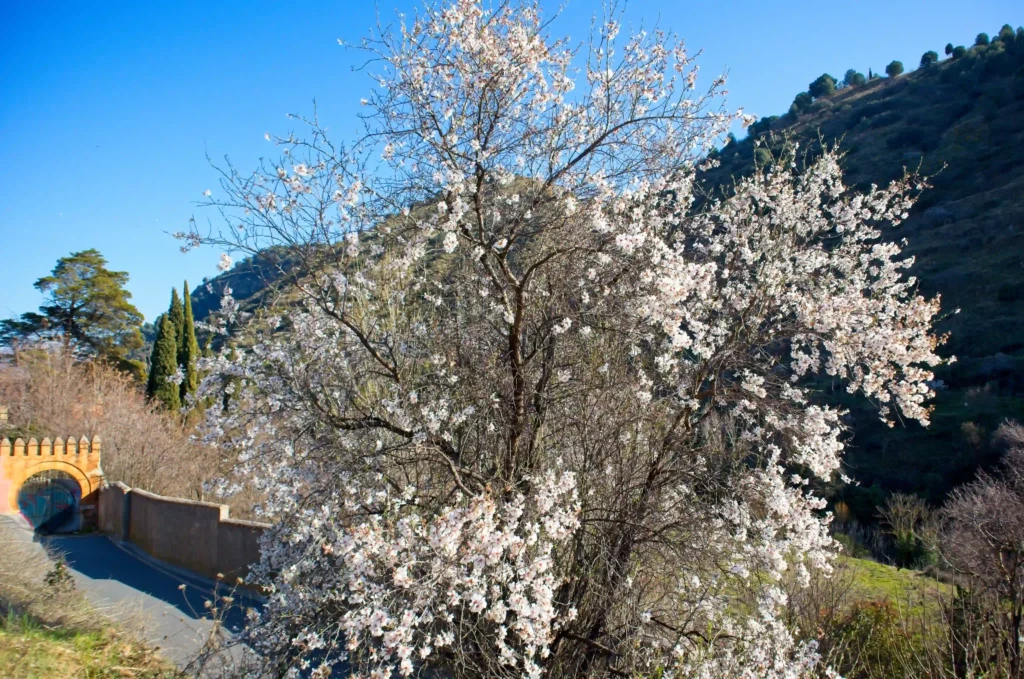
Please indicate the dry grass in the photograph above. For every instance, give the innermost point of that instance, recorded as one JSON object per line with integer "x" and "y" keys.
{"x": 49, "y": 631}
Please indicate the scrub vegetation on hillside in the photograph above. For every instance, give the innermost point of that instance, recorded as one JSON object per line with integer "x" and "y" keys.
{"x": 960, "y": 122}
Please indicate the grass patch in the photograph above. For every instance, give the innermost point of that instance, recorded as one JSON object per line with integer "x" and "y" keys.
{"x": 30, "y": 650}
{"x": 918, "y": 592}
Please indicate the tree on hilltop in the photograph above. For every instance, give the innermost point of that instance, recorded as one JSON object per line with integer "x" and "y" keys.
{"x": 536, "y": 413}
{"x": 949, "y": 48}
{"x": 823, "y": 86}
{"x": 981, "y": 40}
{"x": 87, "y": 309}
{"x": 928, "y": 58}
{"x": 853, "y": 78}
{"x": 801, "y": 103}
{"x": 894, "y": 69}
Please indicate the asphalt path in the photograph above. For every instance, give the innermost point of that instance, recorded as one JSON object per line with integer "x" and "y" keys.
{"x": 146, "y": 597}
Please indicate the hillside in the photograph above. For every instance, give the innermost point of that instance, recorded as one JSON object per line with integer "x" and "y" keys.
{"x": 961, "y": 122}
{"x": 249, "y": 280}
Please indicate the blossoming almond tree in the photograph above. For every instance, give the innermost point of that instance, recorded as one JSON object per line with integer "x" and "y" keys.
{"x": 537, "y": 411}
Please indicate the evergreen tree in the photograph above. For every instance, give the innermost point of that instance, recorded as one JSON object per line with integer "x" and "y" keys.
{"x": 177, "y": 316}
{"x": 949, "y": 48}
{"x": 164, "y": 366}
{"x": 853, "y": 78}
{"x": 981, "y": 40}
{"x": 929, "y": 58}
{"x": 894, "y": 69}
{"x": 87, "y": 310}
{"x": 802, "y": 102}
{"x": 823, "y": 86}
{"x": 151, "y": 380}
{"x": 188, "y": 349}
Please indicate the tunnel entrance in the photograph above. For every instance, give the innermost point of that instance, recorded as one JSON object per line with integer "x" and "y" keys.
{"x": 49, "y": 500}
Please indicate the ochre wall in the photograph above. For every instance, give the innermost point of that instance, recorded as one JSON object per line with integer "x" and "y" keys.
{"x": 198, "y": 536}
{"x": 20, "y": 460}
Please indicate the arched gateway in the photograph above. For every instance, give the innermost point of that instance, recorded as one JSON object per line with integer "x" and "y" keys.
{"x": 52, "y": 484}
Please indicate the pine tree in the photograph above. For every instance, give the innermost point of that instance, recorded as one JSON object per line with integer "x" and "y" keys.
{"x": 164, "y": 366}
{"x": 177, "y": 314}
{"x": 87, "y": 310}
{"x": 188, "y": 349}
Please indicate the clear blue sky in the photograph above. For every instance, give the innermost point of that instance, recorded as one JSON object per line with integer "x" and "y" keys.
{"x": 107, "y": 109}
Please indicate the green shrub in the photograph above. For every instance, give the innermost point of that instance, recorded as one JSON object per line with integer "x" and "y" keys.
{"x": 929, "y": 58}
{"x": 894, "y": 68}
{"x": 982, "y": 39}
{"x": 959, "y": 52}
{"x": 822, "y": 105}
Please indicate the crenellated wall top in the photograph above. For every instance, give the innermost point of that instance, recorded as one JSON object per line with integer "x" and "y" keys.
{"x": 58, "y": 447}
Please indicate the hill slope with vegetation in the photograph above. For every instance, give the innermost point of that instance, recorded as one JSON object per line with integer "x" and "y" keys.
{"x": 960, "y": 122}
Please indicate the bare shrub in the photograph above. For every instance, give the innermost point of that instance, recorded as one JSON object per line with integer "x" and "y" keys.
{"x": 49, "y": 394}
{"x": 983, "y": 541}
{"x": 909, "y": 523}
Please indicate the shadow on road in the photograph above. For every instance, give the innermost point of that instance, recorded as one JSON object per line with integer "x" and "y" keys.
{"x": 99, "y": 559}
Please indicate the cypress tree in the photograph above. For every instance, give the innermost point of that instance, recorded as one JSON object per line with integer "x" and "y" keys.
{"x": 151, "y": 379}
{"x": 164, "y": 366}
{"x": 188, "y": 349}
{"x": 177, "y": 314}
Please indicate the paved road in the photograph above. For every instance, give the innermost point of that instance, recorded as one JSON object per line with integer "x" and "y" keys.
{"x": 141, "y": 593}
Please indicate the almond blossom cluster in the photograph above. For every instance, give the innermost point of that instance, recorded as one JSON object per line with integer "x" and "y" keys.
{"x": 528, "y": 402}
{"x": 480, "y": 572}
